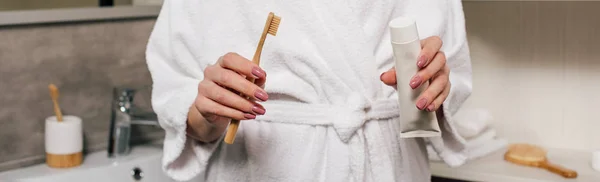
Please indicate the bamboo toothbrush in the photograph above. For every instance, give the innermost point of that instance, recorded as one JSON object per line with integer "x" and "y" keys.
{"x": 271, "y": 27}
{"x": 54, "y": 95}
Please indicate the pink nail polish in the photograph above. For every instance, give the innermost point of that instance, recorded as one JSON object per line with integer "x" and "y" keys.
{"x": 249, "y": 116}
{"x": 261, "y": 95}
{"x": 258, "y": 110}
{"x": 415, "y": 82}
{"x": 422, "y": 61}
{"x": 421, "y": 104}
{"x": 430, "y": 108}
{"x": 258, "y": 73}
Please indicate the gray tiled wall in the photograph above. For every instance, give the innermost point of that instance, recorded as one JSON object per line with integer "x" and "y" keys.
{"x": 85, "y": 60}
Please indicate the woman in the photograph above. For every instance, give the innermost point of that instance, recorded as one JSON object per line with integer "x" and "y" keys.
{"x": 327, "y": 109}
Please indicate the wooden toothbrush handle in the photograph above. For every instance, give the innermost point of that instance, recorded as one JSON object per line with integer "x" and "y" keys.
{"x": 567, "y": 173}
{"x": 233, "y": 126}
{"x": 57, "y": 111}
{"x": 231, "y": 131}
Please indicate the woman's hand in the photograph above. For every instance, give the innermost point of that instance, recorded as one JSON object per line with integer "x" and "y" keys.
{"x": 432, "y": 65}
{"x": 218, "y": 100}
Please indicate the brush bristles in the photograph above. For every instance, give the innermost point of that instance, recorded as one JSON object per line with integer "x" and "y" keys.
{"x": 274, "y": 25}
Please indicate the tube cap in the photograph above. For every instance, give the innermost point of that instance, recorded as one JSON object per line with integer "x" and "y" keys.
{"x": 403, "y": 30}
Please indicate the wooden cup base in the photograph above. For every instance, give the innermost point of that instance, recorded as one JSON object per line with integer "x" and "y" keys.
{"x": 64, "y": 160}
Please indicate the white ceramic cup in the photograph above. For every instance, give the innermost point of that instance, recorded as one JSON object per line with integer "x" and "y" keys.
{"x": 65, "y": 137}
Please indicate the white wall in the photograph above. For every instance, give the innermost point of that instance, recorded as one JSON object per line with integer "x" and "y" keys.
{"x": 537, "y": 68}
{"x": 44, "y": 4}
{"x": 6, "y": 5}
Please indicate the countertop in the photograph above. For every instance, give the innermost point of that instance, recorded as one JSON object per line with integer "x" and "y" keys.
{"x": 493, "y": 168}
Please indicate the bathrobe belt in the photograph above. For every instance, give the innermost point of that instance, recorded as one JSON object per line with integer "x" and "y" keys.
{"x": 345, "y": 118}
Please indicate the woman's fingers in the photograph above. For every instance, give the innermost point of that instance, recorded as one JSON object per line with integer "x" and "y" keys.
{"x": 260, "y": 82}
{"x": 230, "y": 79}
{"x": 227, "y": 98}
{"x": 437, "y": 102}
{"x": 432, "y": 65}
{"x": 389, "y": 77}
{"x": 438, "y": 63}
{"x": 218, "y": 92}
{"x": 435, "y": 89}
{"x": 429, "y": 48}
{"x": 211, "y": 109}
{"x": 239, "y": 64}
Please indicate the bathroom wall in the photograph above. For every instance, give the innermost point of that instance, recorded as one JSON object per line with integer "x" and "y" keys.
{"x": 45, "y": 4}
{"x": 51, "y": 4}
{"x": 537, "y": 68}
{"x": 85, "y": 61}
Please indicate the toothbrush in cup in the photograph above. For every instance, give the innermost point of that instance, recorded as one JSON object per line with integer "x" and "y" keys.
{"x": 271, "y": 27}
{"x": 54, "y": 95}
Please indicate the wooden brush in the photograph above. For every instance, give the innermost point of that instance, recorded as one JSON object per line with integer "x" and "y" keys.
{"x": 271, "y": 27}
{"x": 531, "y": 155}
{"x": 54, "y": 96}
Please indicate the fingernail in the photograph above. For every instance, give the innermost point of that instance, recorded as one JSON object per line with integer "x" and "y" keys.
{"x": 261, "y": 95}
{"x": 421, "y": 62}
{"x": 258, "y": 73}
{"x": 249, "y": 116}
{"x": 421, "y": 104}
{"x": 415, "y": 82}
{"x": 430, "y": 108}
{"x": 258, "y": 110}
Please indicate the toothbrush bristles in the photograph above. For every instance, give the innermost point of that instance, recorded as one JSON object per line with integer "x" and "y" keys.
{"x": 274, "y": 25}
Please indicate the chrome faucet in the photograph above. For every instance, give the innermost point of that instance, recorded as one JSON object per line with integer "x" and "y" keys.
{"x": 123, "y": 115}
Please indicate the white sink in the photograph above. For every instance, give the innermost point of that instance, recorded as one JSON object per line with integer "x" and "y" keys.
{"x": 97, "y": 167}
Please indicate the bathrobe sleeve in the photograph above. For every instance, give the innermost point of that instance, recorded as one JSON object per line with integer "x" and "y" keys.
{"x": 175, "y": 76}
{"x": 445, "y": 18}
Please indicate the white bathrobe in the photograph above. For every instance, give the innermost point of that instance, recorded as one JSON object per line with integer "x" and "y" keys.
{"x": 329, "y": 117}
